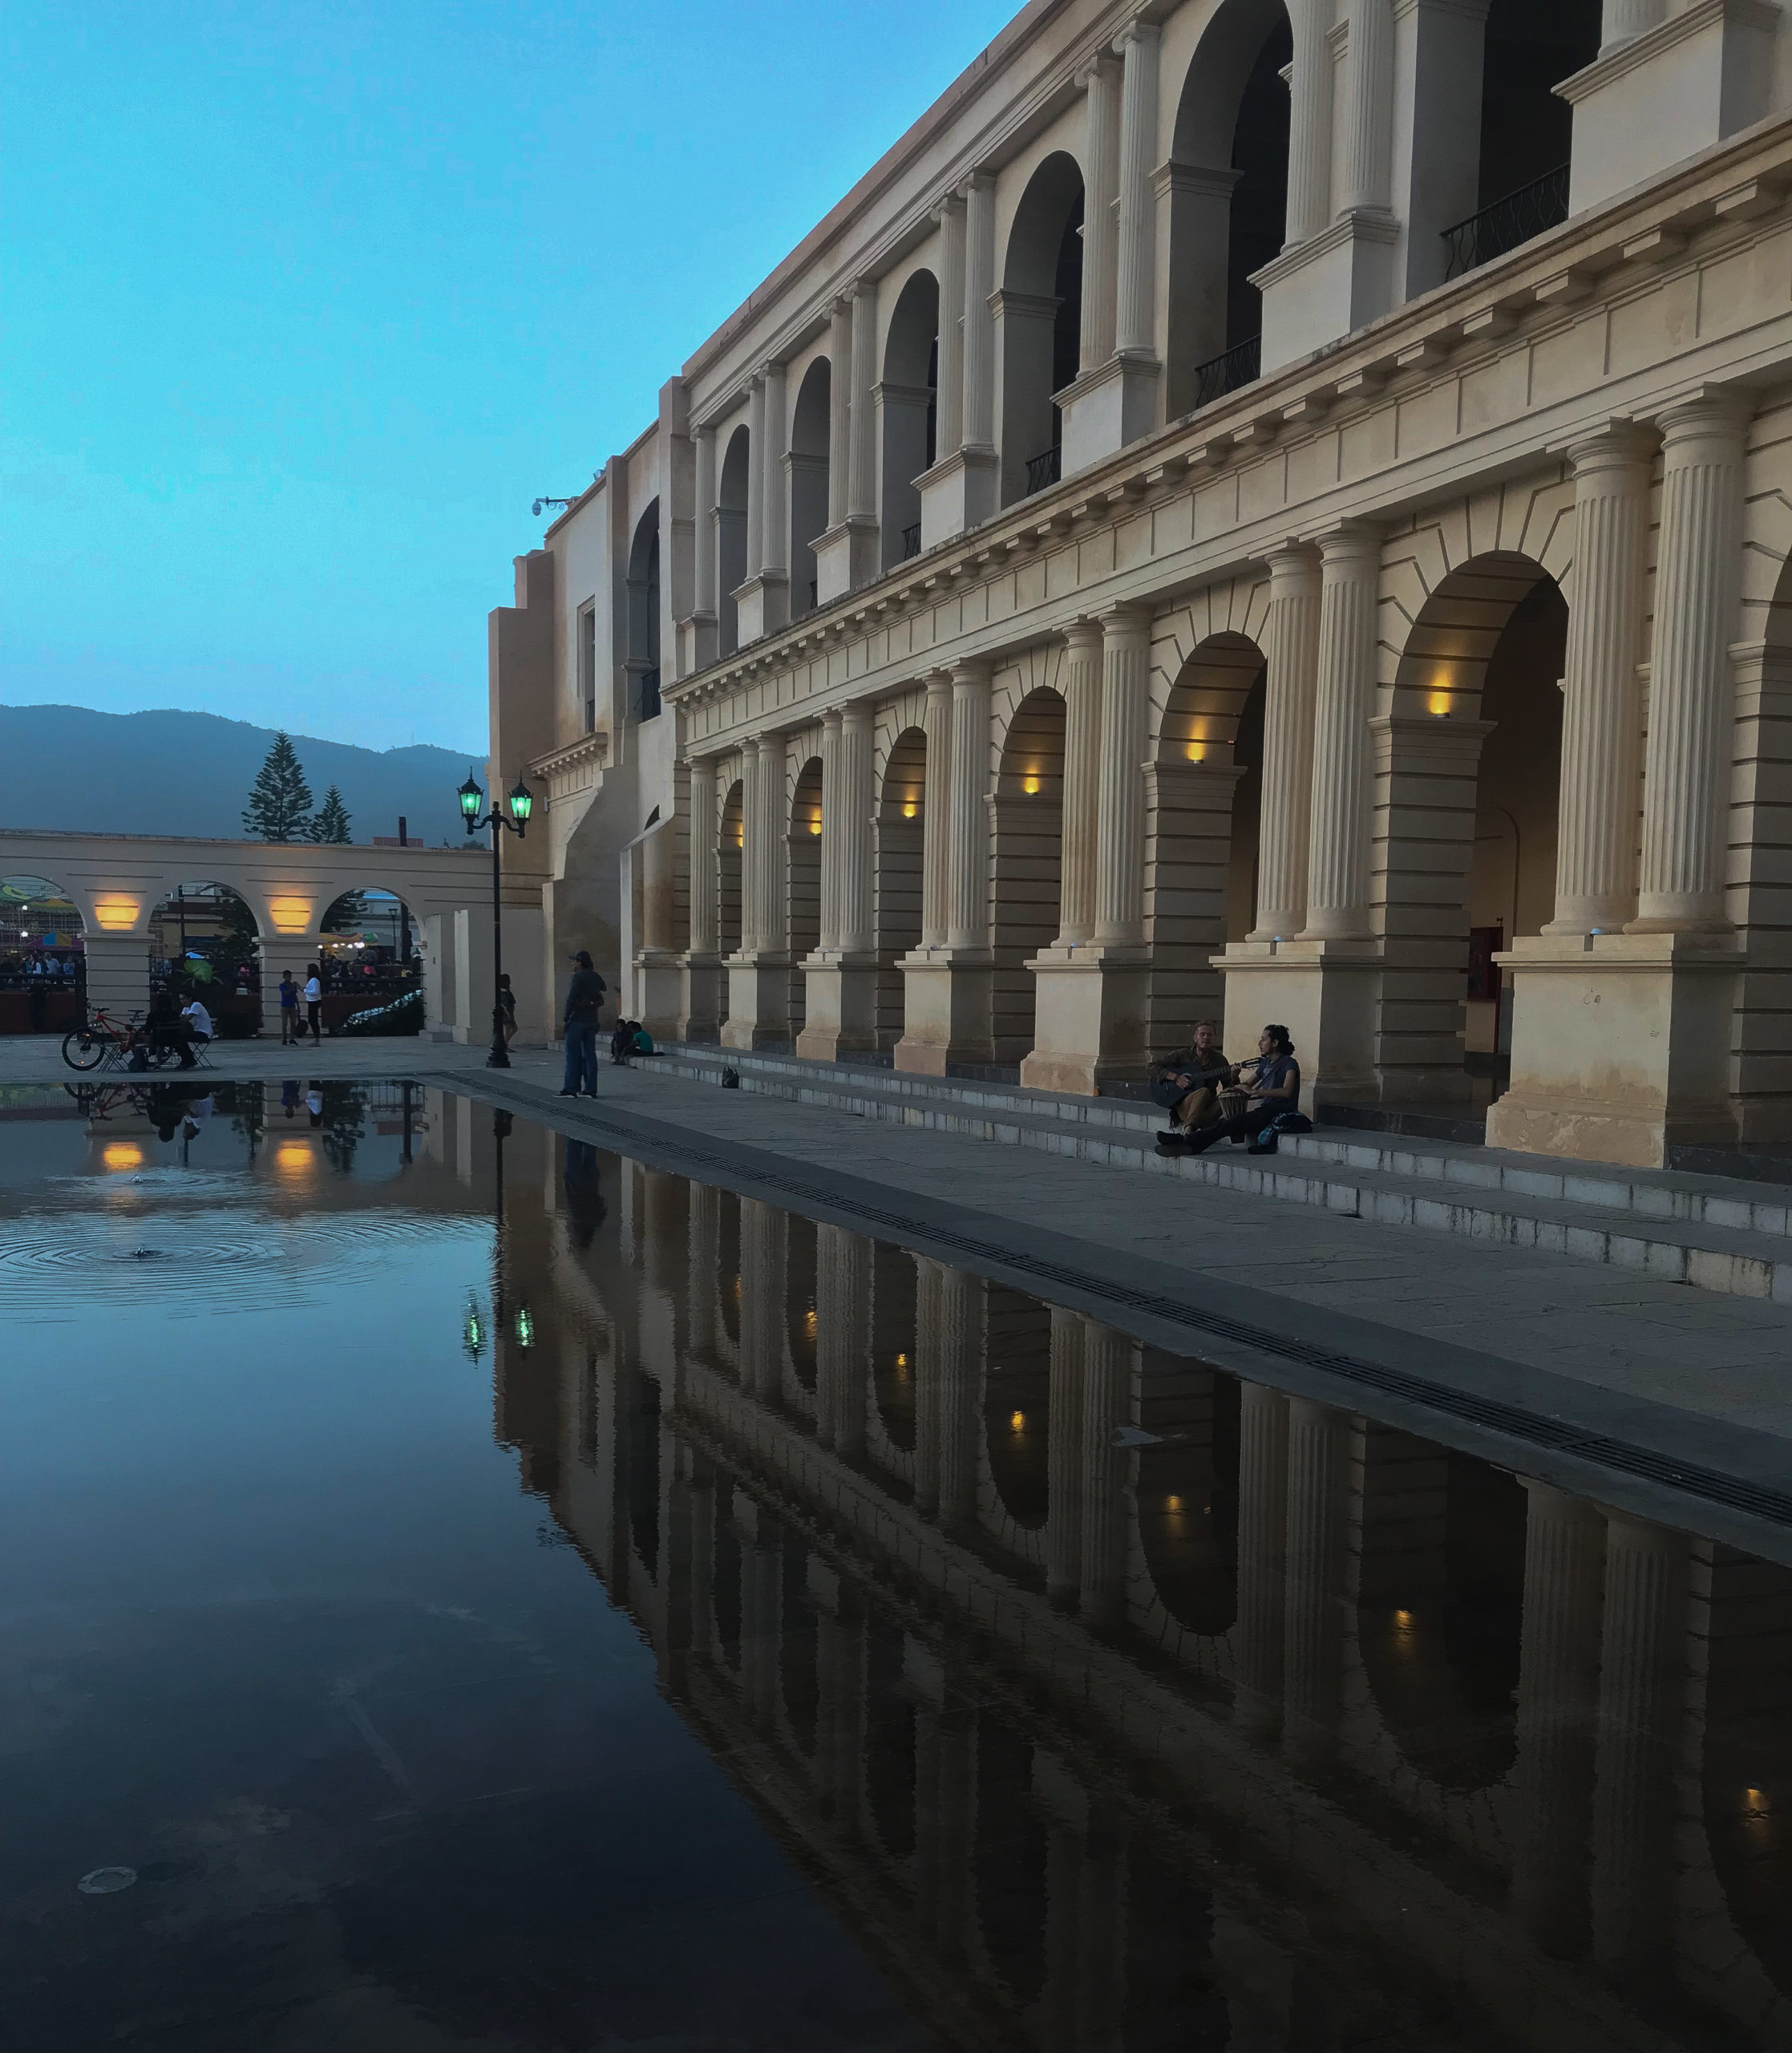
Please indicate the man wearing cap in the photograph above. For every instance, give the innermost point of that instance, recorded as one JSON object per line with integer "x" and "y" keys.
{"x": 584, "y": 999}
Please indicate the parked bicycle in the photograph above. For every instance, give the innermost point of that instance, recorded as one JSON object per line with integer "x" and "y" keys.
{"x": 104, "y": 1042}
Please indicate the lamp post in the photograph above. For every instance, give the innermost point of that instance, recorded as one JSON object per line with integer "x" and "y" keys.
{"x": 521, "y": 803}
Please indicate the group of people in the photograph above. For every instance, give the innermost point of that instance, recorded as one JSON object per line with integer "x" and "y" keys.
{"x": 293, "y": 1029}
{"x": 1209, "y": 1098}
{"x": 185, "y": 1031}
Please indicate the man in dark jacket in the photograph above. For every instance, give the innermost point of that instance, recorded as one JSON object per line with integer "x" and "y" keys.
{"x": 584, "y": 999}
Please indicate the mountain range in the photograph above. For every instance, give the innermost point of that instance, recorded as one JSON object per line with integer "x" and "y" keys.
{"x": 68, "y": 768}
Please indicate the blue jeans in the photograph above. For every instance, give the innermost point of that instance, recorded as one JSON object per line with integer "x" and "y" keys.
{"x": 581, "y": 1056}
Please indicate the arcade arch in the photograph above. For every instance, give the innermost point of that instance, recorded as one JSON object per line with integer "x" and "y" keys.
{"x": 643, "y": 660}
{"x": 906, "y": 399}
{"x": 730, "y": 535}
{"x": 1028, "y": 813}
{"x": 204, "y": 940}
{"x": 43, "y": 957}
{"x": 808, "y": 493}
{"x": 1039, "y": 323}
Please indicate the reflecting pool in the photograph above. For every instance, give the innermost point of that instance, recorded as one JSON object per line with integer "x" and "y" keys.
{"x": 463, "y": 1588}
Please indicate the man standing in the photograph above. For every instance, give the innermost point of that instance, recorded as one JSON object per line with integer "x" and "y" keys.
{"x": 584, "y": 999}
{"x": 289, "y": 1010}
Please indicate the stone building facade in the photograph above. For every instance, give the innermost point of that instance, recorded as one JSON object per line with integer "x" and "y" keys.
{"x": 1275, "y": 512}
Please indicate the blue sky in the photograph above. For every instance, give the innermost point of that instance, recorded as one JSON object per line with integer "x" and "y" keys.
{"x": 306, "y": 303}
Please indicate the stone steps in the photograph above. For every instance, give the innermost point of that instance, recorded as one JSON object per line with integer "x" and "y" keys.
{"x": 1713, "y": 1232}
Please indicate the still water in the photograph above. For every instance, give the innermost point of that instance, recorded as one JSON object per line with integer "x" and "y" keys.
{"x": 464, "y": 1590}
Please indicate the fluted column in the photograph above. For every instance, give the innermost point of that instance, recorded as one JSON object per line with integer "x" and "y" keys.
{"x": 1558, "y": 1685}
{"x": 843, "y": 1303}
{"x": 828, "y": 938}
{"x": 1623, "y": 21}
{"x": 839, "y": 411}
{"x": 948, "y": 421}
{"x": 1106, "y": 1393}
{"x": 937, "y": 812}
{"x": 705, "y": 933}
{"x": 752, "y": 857}
{"x": 763, "y": 880}
{"x": 1120, "y": 829}
{"x": 1602, "y": 722}
{"x": 968, "y": 925}
{"x": 1064, "y": 1460}
{"x": 755, "y": 475}
{"x": 1135, "y": 312}
{"x": 979, "y": 320}
{"x": 1698, "y": 568}
{"x": 850, "y": 798}
{"x": 1641, "y": 1681}
{"x": 1290, "y": 651}
{"x": 1313, "y": 1633}
{"x": 1368, "y": 174}
{"x": 1101, "y": 84}
{"x": 705, "y": 583}
{"x": 862, "y": 484}
{"x": 1080, "y": 683}
{"x": 960, "y": 1389}
{"x": 1309, "y": 147}
{"x": 1262, "y": 1543}
{"x": 1344, "y": 697}
{"x": 775, "y": 539}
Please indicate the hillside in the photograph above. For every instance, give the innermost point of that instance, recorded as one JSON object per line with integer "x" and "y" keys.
{"x": 62, "y": 767}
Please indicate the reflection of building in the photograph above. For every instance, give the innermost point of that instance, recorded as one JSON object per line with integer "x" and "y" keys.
{"x": 1281, "y": 1721}
{"x": 1275, "y": 510}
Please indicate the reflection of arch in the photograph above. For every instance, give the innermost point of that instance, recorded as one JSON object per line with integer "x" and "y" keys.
{"x": 1227, "y": 192}
{"x": 1188, "y": 1510}
{"x": 731, "y": 535}
{"x": 892, "y": 1341}
{"x": 808, "y": 493}
{"x": 1039, "y": 323}
{"x": 801, "y": 1314}
{"x": 1016, "y": 1420}
{"x": 804, "y": 883}
{"x": 1029, "y": 823}
{"x": 643, "y": 659}
{"x": 728, "y": 1265}
{"x": 889, "y": 1748}
{"x": 896, "y": 909}
{"x": 906, "y": 403}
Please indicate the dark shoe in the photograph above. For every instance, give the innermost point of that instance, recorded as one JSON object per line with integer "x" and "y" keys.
{"x": 1170, "y": 1133}
{"x": 569, "y": 1094}
{"x": 1198, "y": 1143}
{"x": 589, "y": 1093}
{"x": 1261, "y": 1148}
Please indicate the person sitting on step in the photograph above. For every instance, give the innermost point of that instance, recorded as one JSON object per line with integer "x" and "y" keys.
{"x": 1274, "y": 1090}
{"x": 1195, "y": 1084}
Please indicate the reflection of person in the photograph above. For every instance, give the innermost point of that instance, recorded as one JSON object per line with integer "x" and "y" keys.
{"x": 584, "y": 1194}
{"x": 314, "y": 1105}
{"x": 585, "y": 1000}
{"x": 289, "y": 1096}
{"x": 314, "y": 1004}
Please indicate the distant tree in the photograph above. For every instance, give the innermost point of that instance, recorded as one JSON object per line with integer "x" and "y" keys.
{"x": 332, "y": 821}
{"x": 280, "y": 799}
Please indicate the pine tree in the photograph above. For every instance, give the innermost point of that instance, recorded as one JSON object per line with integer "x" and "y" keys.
{"x": 332, "y": 821}
{"x": 280, "y": 799}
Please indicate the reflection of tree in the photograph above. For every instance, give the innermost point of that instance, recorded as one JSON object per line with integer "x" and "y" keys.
{"x": 247, "y": 1109}
{"x": 345, "y": 1121}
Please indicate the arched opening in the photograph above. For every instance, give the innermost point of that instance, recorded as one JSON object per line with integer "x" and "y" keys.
{"x": 804, "y": 884}
{"x": 1016, "y": 1388}
{"x": 1489, "y": 644}
{"x": 892, "y": 1343}
{"x": 896, "y": 894}
{"x": 43, "y": 969}
{"x": 1227, "y": 192}
{"x": 906, "y": 406}
{"x": 808, "y": 493}
{"x": 1038, "y": 324}
{"x": 1187, "y": 1499}
{"x": 1439, "y": 1606}
{"x": 1029, "y": 825}
{"x": 801, "y": 1313}
{"x": 203, "y": 942}
{"x": 730, "y": 852}
{"x": 1204, "y": 795}
{"x": 643, "y": 660}
{"x": 730, "y": 535}
{"x": 367, "y": 955}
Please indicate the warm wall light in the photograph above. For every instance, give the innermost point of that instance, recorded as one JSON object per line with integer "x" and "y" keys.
{"x": 814, "y": 823}
{"x": 116, "y": 915}
{"x": 1031, "y": 785}
{"x": 910, "y": 810}
{"x": 122, "y": 1155}
{"x": 1197, "y": 751}
{"x": 289, "y": 915}
{"x": 1437, "y": 703}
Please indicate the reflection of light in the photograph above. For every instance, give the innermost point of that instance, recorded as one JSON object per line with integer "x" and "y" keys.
{"x": 1402, "y": 1618}
{"x": 289, "y": 915}
{"x": 472, "y": 1336}
{"x": 1755, "y": 1799}
{"x": 1172, "y": 1504}
{"x": 1016, "y": 1421}
{"x": 293, "y": 1156}
{"x": 122, "y": 1155}
{"x": 737, "y": 1289}
{"x": 1197, "y": 751}
{"x": 525, "y": 1328}
{"x": 910, "y": 810}
{"x": 809, "y": 1324}
{"x": 116, "y": 915}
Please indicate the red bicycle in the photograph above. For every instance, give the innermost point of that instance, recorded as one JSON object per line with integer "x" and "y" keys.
{"x": 103, "y": 1042}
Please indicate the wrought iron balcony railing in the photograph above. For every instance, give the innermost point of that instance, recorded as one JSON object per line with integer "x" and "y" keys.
{"x": 650, "y": 694}
{"x": 1046, "y": 469}
{"x": 1241, "y": 364}
{"x": 1511, "y": 219}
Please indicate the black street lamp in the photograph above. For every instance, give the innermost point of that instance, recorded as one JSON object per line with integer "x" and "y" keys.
{"x": 521, "y": 803}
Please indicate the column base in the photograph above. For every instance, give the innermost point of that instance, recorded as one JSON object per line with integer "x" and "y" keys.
{"x": 762, "y": 605}
{"x": 1621, "y": 1046}
{"x": 758, "y": 1000}
{"x": 1326, "y": 993}
{"x": 1089, "y": 1017}
{"x": 1106, "y": 408}
{"x": 661, "y": 985}
{"x": 840, "y": 1006}
{"x": 945, "y": 1009}
{"x": 1334, "y": 283}
{"x": 961, "y": 492}
{"x": 846, "y": 557}
{"x": 700, "y": 1005}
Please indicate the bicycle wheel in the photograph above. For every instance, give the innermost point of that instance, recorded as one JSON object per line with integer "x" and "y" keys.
{"x": 84, "y": 1048}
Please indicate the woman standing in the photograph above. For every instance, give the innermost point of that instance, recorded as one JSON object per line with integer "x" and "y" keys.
{"x": 314, "y": 1004}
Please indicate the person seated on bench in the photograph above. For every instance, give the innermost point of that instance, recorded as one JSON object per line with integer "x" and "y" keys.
{"x": 1274, "y": 1087}
{"x": 1189, "y": 1084}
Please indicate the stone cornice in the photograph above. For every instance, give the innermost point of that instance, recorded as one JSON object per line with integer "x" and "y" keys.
{"x": 1702, "y": 14}
{"x": 593, "y": 747}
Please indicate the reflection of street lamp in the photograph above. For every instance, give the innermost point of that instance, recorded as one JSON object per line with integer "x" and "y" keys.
{"x": 521, "y": 803}
{"x": 472, "y": 1337}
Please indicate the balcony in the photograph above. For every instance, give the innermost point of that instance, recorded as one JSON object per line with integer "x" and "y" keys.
{"x": 1514, "y": 219}
{"x": 647, "y": 695}
{"x": 1241, "y": 364}
{"x": 911, "y": 541}
{"x": 1046, "y": 469}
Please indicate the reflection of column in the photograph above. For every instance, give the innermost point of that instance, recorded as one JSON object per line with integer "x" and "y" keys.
{"x": 960, "y": 1388}
{"x": 1312, "y": 1636}
{"x": 1338, "y": 858}
{"x": 1101, "y": 85}
{"x": 955, "y": 1814}
{"x": 1290, "y": 640}
{"x": 1558, "y": 1685}
{"x": 1699, "y": 555}
{"x": 948, "y": 430}
{"x": 1081, "y": 679}
{"x": 1120, "y": 833}
{"x": 702, "y": 1265}
{"x": 979, "y": 320}
{"x": 762, "y": 1266}
{"x": 703, "y": 1563}
{"x": 705, "y": 936}
{"x": 1135, "y": 308}
{"x": 762, "y": 1594}
{"x": 840, "y": 1690}
{"x": 1064, "y": 1841}
{"x": 1102, "y": 1945}
{"x": 843, "y": 1268}
{"x": 1107, "y": 1389}
{"x": 969, "y": 924}
{"x": 937, "y": 812}
{"x": 1595, "y": 848}
{"x": 929, "y": 1378}
{"x": 1064, "y": 1460}
{"x": 1642, "y": 1662}
{"x": 1262, "y": 1538}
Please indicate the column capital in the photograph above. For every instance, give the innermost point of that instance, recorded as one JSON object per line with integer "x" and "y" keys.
{"x": 1350, "y": 542}
{"x": 1713, "y": 409}
{"x": 1104, "y": 63}
{"x": 1129, "y": 619}
{"x": 830, "y": 720}
{"x": 977, "y": 181}
{"x": 972, "y": 670}
{"x": 949, "y": 203}
{"x": 1140, "y": 29}
{"x": 1616, "y": 444}
{"x": 1293, "y": 559}
{"x": 1085, "y": 634}
{"x": 939, "y": 680}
